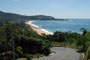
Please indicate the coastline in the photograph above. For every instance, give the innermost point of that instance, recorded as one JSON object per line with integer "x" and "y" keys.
{"x": 36, "y": 28}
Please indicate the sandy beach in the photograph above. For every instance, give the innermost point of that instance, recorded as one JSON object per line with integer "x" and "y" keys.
{"x": 40, "y": 31}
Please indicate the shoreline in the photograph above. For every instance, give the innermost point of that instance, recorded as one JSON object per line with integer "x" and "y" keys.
{"x": 39, "y": 30}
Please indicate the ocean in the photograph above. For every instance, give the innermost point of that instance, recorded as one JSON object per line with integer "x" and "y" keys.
{"x": 69, "y": 25}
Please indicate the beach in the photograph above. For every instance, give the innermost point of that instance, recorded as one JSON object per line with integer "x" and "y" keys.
{"x": 40, "y": 31}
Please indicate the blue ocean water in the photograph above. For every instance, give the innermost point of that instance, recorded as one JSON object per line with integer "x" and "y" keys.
{"x": 70, "y": 25}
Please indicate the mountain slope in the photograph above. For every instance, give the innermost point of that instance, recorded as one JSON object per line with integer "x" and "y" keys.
{"x": 13, "y": 16}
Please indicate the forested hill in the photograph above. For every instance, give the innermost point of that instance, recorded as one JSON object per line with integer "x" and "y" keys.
{"x": 18, "y": 17}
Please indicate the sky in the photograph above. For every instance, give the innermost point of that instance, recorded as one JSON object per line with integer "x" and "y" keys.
{"x": 56, "y": 8}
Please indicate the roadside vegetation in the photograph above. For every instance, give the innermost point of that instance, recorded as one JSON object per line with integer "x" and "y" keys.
{"x": 80, "y": 42}
{"x": 19, "y": 42}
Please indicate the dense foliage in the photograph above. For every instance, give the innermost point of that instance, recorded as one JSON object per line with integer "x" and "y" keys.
{"x": 19, "y": 40}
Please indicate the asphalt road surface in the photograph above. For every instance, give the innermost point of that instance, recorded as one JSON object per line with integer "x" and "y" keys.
{"x": 61, "y": 53}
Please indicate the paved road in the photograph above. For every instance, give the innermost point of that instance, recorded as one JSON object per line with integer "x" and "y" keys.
{"x": 62, "y": 54}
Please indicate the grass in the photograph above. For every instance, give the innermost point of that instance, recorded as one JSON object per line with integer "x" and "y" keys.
{"x": 38, "y": 55}
{"x": 57, "y": 44}
{"x": 22, "y": 59}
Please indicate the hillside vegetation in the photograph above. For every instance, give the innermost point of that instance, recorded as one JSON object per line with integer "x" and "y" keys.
{"x": 17, "y": 17}
{"x": 20, "y": 41}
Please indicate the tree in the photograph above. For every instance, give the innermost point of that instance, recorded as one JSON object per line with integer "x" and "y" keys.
{"x": 84, "y": 31}
{"x": 23, "y": 40}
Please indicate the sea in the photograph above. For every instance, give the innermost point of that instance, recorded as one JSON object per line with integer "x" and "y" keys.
{"x": 68, "y": 25}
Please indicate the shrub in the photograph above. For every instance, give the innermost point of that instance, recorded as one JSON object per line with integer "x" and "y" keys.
{"x": 88, "y": 53}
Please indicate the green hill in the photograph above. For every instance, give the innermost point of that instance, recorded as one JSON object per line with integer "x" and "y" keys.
{"x": 18, "y": 17}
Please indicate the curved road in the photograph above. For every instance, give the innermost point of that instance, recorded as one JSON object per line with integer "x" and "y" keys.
{"x": 62, "y": 53}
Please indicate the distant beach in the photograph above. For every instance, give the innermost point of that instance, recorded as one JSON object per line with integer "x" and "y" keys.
{"x": 36, "y": 28}
{"x": 72, "y": 25}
